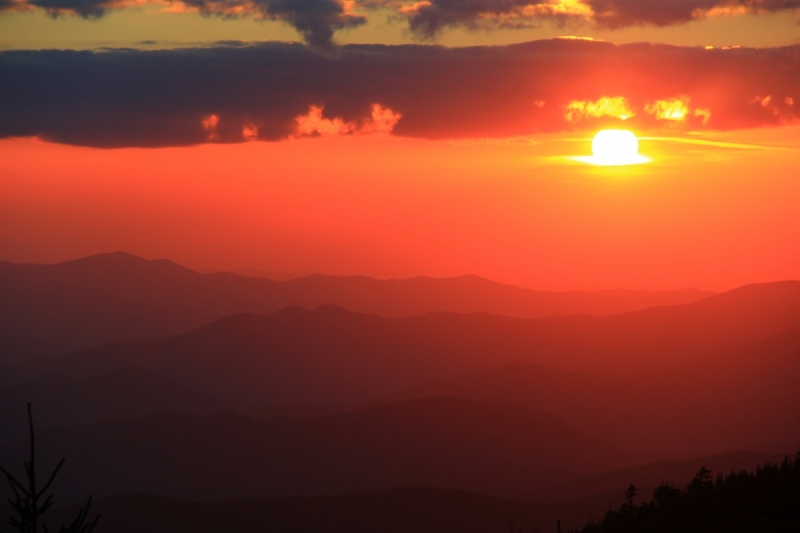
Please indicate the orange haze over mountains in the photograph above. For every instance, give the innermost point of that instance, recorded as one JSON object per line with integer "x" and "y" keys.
{"x": 713, "y": 216}
{"x": 397, "y": 266}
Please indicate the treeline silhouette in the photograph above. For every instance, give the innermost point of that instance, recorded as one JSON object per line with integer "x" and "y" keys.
{"x": 767, "y": 500}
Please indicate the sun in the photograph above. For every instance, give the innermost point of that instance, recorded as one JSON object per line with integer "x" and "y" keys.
{"x": 614, "y": 148}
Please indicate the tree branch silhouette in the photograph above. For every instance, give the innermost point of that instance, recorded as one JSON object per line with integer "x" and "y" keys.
{"x": 30, "y": 503}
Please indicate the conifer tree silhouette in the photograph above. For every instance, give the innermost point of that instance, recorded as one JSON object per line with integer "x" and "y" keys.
{"x": 30, "y": 503}
{"x": 767, "y": 500}
{"x": 630, "y": 494}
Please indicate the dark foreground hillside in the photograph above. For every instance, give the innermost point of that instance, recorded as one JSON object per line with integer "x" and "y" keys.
{"x": 414, "y": 510}
{"x": 764, "y": 501}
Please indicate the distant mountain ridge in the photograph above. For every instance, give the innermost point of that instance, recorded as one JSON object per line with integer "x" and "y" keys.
{"x": 651, "y": 475}
{"x": 63, "y": 400}
{"x": 735, "y": 398}
{"x": 499, "y": 449}
{"x": 332, "y": 356}
{"x": 708, "y": 371}
{"x": 49, "y": 309}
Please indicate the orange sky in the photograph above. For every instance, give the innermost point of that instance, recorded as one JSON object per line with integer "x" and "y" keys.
{"x": 514, "y": 210}
{"x": 400, "y": 182}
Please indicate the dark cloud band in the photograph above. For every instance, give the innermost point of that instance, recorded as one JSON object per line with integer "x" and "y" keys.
{"x": 237, "y": 93}
{"x": 624, "y": 13}
{"x": 318, "y": 20}
{"x": 315, "y": 20}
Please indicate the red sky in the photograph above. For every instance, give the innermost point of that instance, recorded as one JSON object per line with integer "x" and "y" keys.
{"x": 127, "y": 126}
{"x": 698, "y": 215}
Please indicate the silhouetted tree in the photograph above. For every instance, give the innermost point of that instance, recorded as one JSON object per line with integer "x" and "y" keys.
{"x": 702, "y": 481}
{"x": 630, "y": 494}
{"x": 767, "y": 500}
{"x": 29, "y": 503}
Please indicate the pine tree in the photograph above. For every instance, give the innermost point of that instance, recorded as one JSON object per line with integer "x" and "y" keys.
{"x": 29, "y": 503}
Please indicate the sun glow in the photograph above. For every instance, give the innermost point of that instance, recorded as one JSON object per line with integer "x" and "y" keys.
{"x": 614, "y": 148}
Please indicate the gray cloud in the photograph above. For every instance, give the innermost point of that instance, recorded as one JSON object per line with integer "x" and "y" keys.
{"x": 624, "y": 13}
{"x": 315, "y": 20}
{"x": 161, "y": 98}
{"x": 427, "y": 20}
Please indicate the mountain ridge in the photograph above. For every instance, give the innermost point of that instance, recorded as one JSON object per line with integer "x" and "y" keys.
{"x": 497, "y": 449}
{"x": 733, "y": 395}
{"x": 87, "y": 302}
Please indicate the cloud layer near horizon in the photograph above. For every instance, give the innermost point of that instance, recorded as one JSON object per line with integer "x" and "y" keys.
{"x": 275, "y": 91}
{"x": 318, "y": 20}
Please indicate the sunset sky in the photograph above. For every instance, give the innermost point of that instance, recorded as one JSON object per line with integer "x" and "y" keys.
{"x": 399, "y": 138}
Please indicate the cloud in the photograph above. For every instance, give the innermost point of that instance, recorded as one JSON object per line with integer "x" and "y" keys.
{"x": 318, "y": 20}
{"x": 210, "y": 125}
{"x": 382, "y": 120}
{"x": 677, "y": 110}
{"x": 82, "y": 8}
{"x": 579, "y": 110}
{"x": 229, "y": 94}
{"x": 427, "y": 18}
{"x": 615, "y": 14}
{"x": 315, "y": 20}
{"x": 781, "y": 108}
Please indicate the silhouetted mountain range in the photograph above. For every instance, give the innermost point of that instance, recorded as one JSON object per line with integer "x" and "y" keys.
{"x": 63, "y": 400}
{"x": 648, "y": 477}
{"x": 500, "y": 449}
{"x": 49, "y": 309}
{"x": 732, "y": 399}
{"x": 383, "y": 394}
{"x": 333, "y": 356}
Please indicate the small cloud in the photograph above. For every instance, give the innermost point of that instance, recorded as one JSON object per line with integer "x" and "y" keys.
{"x": 703, "y": 114}
{"x": 250, "y": 132}
{"x": 210, "y": 125}
{"x": 617, "y": 107}
{"x": 762, "y": 101}
{"x": 721, "y": 11}
{"x": 382, "y": 120}
{"x": 780, "y": 108}
{"x": 16, "y": 5}
{"x": 411, "y": 9}
{"x": 675, "y": 109}
{"x": 579, "y": 38}
{"x": 314, "y": 124}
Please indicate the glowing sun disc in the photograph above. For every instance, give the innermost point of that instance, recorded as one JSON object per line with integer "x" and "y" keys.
{"x": 614, "y": 148}
{"x": 615, "y": 145}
